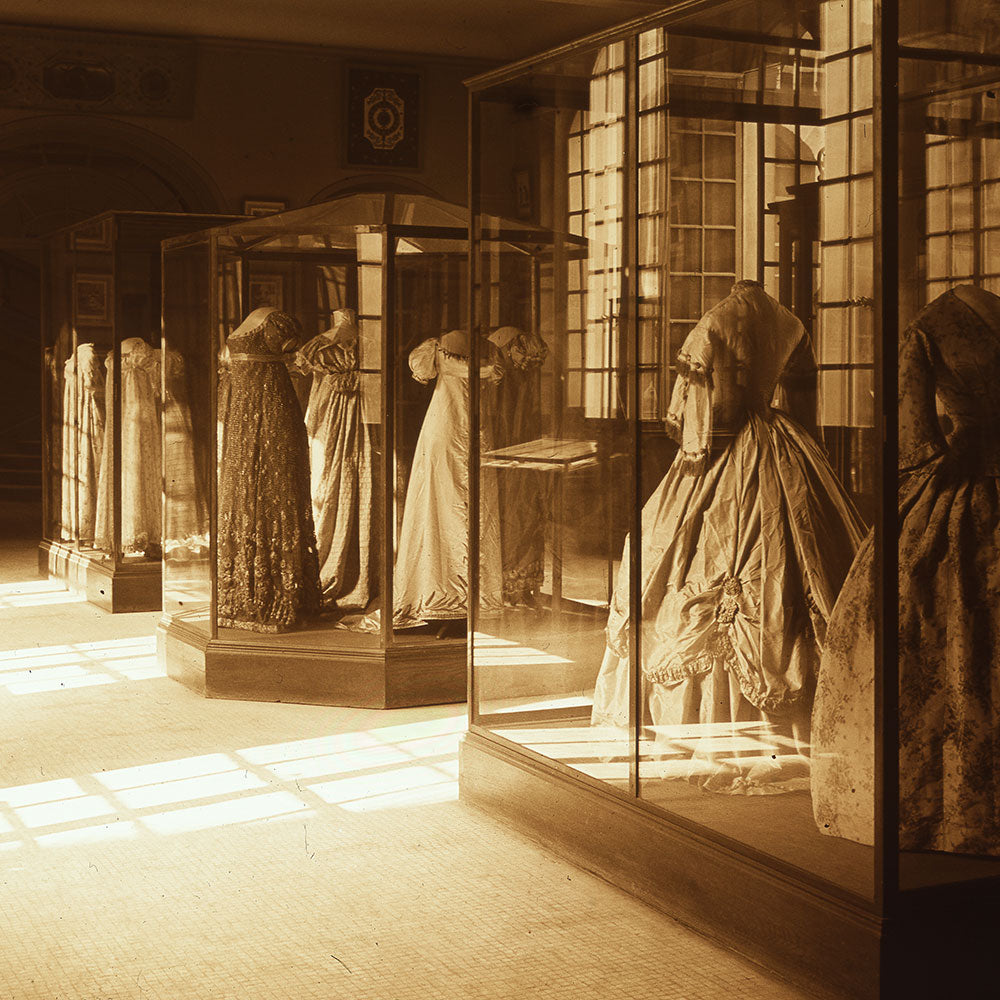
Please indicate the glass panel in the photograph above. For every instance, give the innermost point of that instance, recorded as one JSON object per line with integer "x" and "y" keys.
{"x": 554, "y": 429}
{"x": 949, "y": 360}
{"x": 749, "y": 529}
{"x": 189, "y": 356}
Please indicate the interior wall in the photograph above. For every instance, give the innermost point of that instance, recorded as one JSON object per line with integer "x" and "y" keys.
{"x": 266, "y": 121}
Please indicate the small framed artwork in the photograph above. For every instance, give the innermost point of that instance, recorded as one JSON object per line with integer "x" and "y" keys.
{"x": 259, "y": 207}
{"x": 93, "y": 236}
{"x": 92, "y": 298}
{"x": 383, "y": 117}
{"x": 267, "y": 290}
{"x": 524, "y": 206}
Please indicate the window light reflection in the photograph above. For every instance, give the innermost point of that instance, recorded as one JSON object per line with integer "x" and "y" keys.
{"x": 405, "y": 764}
{"x": 54, "y": 668}
{"x": 36, "y": 593}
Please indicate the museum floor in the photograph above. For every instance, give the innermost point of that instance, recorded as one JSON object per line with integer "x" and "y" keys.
{"x": 157, "y": 845}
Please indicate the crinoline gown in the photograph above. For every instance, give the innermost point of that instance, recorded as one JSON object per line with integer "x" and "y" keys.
{"x": 341, "y": 466}
{"x": 745, "y": 544}
{"x": 82, "y": 443}
{"x": 949, "y": 607}
{"x": 522, "y": 491}
{"x": 268, "y": 572}
{"x": 141, "y": 471}
{"x": 430, "y": 581}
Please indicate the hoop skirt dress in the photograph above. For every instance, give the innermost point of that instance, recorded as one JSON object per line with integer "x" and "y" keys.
{"x": 745, "y": 544}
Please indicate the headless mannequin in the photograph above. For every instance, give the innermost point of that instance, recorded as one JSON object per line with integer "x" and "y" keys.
{"x": 504, "y": 335}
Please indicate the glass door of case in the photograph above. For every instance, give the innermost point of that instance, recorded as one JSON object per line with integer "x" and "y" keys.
{"x": 700, "y": 468}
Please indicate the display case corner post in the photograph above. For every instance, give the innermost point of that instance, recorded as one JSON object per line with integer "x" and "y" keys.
{"x": 886, "y": 263}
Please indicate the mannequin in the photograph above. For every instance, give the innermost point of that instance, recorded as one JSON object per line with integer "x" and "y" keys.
{"x": 268, "y": 569}
{"x": 949, "y": 618}
{"x": 83, "y": 434}
{"x": 341, "y": 462}
{"x": 523, "y": 492}
{"x": 745, "y": 544}
{"x": 140, "y": 473}
{"x": 431, "y": 576}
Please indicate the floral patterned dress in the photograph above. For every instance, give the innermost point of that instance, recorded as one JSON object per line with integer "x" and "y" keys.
{"x": 268, "y": 577}
{"x": 949, "y": 607}
{"x": 745, "y": 544}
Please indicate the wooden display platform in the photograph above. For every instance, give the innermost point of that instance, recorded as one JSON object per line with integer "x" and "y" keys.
{"x": 134, "y": 586}
{"x": 319, "y": 668}
{"x": 941, "y": 943}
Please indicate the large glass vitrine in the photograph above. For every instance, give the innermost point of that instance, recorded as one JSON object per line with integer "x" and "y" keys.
{"x": 716, "y": 677}
{"x": 320, "y": 467}
{"x": 101, "y": 383}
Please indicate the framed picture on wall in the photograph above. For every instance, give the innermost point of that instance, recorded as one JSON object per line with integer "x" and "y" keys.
{"x": 267, "y": 290}
{"x": 94, "y": 236}
{"x": 524, "y": 205}
{"x": 258, "y": 207}
{"x": 383, "y": 117}
{"x": 92, "y": 299}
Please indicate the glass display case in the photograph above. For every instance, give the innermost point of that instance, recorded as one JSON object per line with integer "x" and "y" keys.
{"x": 319, "y": 474}
{"x": 716, "y": 677}
{"x": 101, "y": 390}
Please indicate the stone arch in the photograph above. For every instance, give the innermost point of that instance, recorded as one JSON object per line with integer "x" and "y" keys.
{"x": 59, "y": 169}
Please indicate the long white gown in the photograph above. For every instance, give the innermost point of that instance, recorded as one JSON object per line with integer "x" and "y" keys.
{"x": 83, "y": 442}
{"x": 745, "y": 545}
{"x": 431, "y": 579}
{"x": 141, "y": 473}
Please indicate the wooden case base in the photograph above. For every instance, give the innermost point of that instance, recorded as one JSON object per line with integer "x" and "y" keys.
{"x": 262, "y": 669}
{"x": 940, "y": 944}
{"x": 132, "y": 587}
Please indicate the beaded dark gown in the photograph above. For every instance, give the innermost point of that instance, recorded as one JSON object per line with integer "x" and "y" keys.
{"x": 268, "y": 567}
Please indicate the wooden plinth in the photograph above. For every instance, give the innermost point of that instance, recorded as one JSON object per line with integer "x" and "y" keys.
{"x": 346, "y": 670}
{"x": 134, "y": 586}
{"x": 940, "y": 944}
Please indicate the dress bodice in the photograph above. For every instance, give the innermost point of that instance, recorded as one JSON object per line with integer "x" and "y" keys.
{"x": 339, "y": 362}
{"x": 272, "y": 339}
{"x": 738, "y": 360}
{"x": 949, "y": 387}
{"x": 137, "y": 357}
{"x": 430, "y": 360}
{"x": 525, "y": 351}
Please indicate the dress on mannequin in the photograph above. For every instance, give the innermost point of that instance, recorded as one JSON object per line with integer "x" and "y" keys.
{"x": 268, "y": 578}
{"x": 949, "y": 614}
{"x": 141, "y": 469}
{"x": 431, "y": 576}
{"x": 83, "y": 442}
{"x": 341, "y": 466}
{"x": 522, "y": 491}
{"x": 186, "y": 514}
{"x": 745, "y": 544}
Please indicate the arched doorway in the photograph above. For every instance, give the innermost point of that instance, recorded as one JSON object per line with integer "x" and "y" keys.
{"x": 56, "y": 170}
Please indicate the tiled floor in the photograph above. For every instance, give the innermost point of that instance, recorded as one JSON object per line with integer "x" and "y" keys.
{"x": 157, "y": 845}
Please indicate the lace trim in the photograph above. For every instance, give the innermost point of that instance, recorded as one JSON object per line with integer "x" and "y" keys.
{"x": 694, "y": 463}
{"x": 452, "y": 355}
